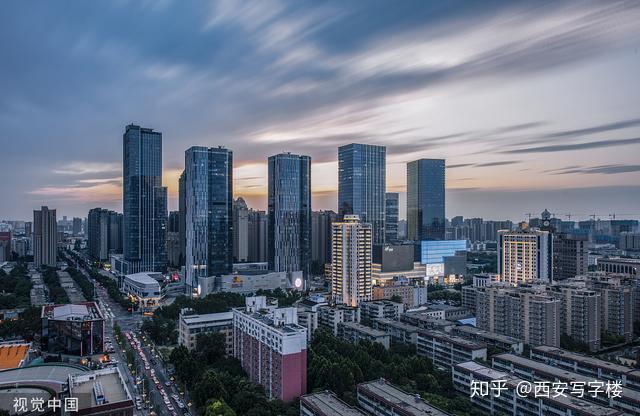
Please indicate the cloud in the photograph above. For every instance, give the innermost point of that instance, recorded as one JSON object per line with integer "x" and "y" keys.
{"x": 84, "y": 168}
{"x": 575, "y": 146}
{"x": 499, "y": 163}
{"x": 603, "y": 169}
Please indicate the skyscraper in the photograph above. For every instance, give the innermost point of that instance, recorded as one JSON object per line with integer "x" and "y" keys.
{"x": 425, "y": 199}
{"x": 240, "y": 231}
{"x": 182, "y": 226}
{"x": 351, "y": 247}
{"x": 45, "y": 237}
{"x": 289, "y": 213}
{"x": 104, "y": 233}
{"x": 209, "y": 213}
{"x": 144, "y": 201}
{"x": 258, "y": 236}
{"x": 321, "y": 236}
{"x": 392, "y": 208}
{"x": 77, "y": 226}
{"x": 362, "y": 185}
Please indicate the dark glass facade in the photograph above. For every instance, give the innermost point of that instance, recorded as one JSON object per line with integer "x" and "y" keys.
{"x": 208, "y": 194}
{"x": 392, "y": 209}
{"x": 144, "y": 200}
{"x": 362, "y": 185}
{"x": 289, "y": 230}
{"x": 426, "y": 199}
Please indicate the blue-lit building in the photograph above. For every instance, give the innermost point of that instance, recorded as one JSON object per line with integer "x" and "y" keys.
{"x": 434, "y": 252}
{"x": 426, "y": 199}
{"x": 391, "y": 211}
{"x": 362, "y": 185}
{"x": 208, "y": 195}
{"x": 289, "y": 230}
{"x": 144, "y": 202}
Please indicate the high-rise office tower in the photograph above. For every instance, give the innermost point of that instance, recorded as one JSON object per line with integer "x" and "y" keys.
{"x": 104, "y": 233}
{"x": 45, "y": 237}
{"x": 525, "y": 255}
{"x": 77, "y": 226}
{"x": 351, "y": 253}
{"x": 174, "y": 222}
{"x": 321, "y": 236}
{"x": 182, "y": 226}
{"x": 209, "y": 213}
{"x": 392, "y": 208}
{"x": 144, "y": 201}
{"x": 289, "y": 213}
{"x": 426, "y": 199}
{"x": 5, "y": 242}
{"x": 258, "y": 225}
{"x": 362, "y": 185}
{"x": 570, "y": 256}
{"x": 240, "y": 231}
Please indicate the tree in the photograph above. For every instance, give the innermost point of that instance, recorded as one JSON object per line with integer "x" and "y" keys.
{"x": 208, "y": 386}
{"x": 219, "y": 408}
{"x": 211, "y": 347}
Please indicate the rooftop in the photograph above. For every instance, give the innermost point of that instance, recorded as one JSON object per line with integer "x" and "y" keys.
{"x": 329, "y": 404}
{"x": 562, "y": 375}
{"x": 452, "y": 339}
{"x": 364, "y": 329}
{"x": 411, "y": 404}
{"x": 209, "y": 317}
{"x": 486, "y": 334}
{"x": 108, "y": 382}
{"x": 13, "y": 355}
{"x": 584, "y": 359}
{"x": 486, "y": 374}
{"x": 143, "y": 278}
{"x": 86, "y": 311}
{"x": 397, "y": 324}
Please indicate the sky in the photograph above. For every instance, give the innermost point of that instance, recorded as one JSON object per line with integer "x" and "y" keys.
{"x": 533, "y": 105}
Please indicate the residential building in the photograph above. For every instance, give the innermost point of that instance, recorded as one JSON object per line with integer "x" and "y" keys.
{"x": 426, "y": 199}
{"x": 75, "y": 329}
{"x": 381, "y": 398}
{"x": 391, "y": 212}
{"x": 289, "y": 201}
{"x": 402, "y": 291}
{"x": 77, "y": 226}
{"x": 190, "y": 325}
{"x": 580, "y": 312}
{"x": 629, "y": 241}
{"x": 570, "y": 256}
{"x": 144, "y": 201}
{"x": 525, "y": 255}
{"x": 398, "y": 331}
{"x": 628, "y": 401}
{"x": 381, "y": 309}
{"x": 424, "y": 320}
{"x": 308, "y": 313}
{"x": 240, "y": 231}
{"x": 469, "y": 374}
{"x": 5, "y": 242}
{"x": 353, "y": 333}
{"x": 351, "y": 261}
{"x": 618, "y": 303}
{"x": 330, "y": 317}
{"x": 144, "y": 289}
{"x": 526, "y": 313}
{"x": 209, "y": 214}
{"x": 446, "y": 350}
{"x": 492, "y": 339}
{"x": 271, "y": 347}
{"x": 321, "y": 222}
{"x": 362, "y": 185}
{"x": 587, "y": 366}
{"x": 45, "y": 237}
{"x": 325, "y": 403}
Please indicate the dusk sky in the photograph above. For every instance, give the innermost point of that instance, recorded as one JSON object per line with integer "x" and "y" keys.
{"x": 533, "y": 105}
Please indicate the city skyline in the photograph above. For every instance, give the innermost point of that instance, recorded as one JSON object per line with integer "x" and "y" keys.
{"x": 561, "y": 131}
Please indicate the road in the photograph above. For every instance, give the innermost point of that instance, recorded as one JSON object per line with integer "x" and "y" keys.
{"x": 129, "y": 323}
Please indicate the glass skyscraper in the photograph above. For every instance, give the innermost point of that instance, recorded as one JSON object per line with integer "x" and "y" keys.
{"x": 289, "y": 201}
{"x": 362, "y": 185}
{"x": 391, "y": 211}
{"x": 425, "y": 199}
{"x": 144, "y": 201}
{"x": 208, "y": 194}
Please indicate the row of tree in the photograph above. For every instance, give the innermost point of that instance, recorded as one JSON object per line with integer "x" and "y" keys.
{"x": 15, "y": 288}
{"x": 57, "y": 294}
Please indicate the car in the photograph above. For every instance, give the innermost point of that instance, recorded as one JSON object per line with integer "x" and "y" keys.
{"x": 170, "y": 407}
{"x": 167, "y": 383}
{"x": 180, "y": 405}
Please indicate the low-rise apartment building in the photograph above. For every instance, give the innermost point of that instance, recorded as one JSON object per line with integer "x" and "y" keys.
{"x": 446, "y": 350}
